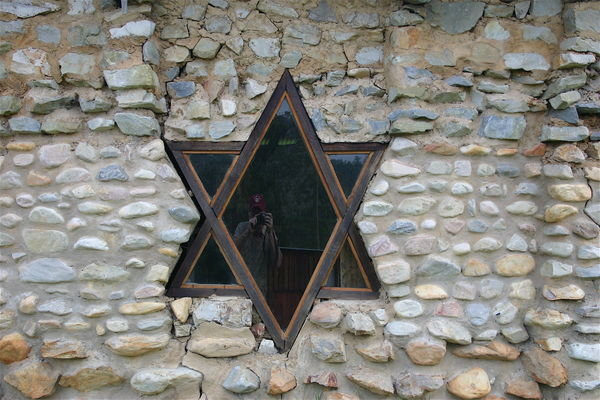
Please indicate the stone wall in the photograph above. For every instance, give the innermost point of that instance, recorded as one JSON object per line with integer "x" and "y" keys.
{"x": 482, "y": 220}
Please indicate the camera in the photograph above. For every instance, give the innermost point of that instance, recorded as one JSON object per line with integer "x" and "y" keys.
{"x": 260, "y": 219}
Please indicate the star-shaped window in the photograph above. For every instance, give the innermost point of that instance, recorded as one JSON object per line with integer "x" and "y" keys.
{"x": 277, "y": 217}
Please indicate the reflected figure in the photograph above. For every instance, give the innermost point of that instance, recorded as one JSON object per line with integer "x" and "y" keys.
{"x": 257, "y": 242}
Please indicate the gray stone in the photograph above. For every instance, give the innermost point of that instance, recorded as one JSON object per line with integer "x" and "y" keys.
{"x": 584, "y": 351}
{"x": 328, "y": 348}
{"x": 137, "y": 125}
{"x": 581, "y": 45}
{"x": 502, "y": 127}
{"x": 569, "y": 115}
{"x": 564, "y": 133}
{"x": 362, "y": 19}
{"x": 477, "y": 226}
{"x": 56, "y": 307}
{"x": 24, "y": 125}
{"x": 334, "y": 78}
{"x": 478, "y": 314}
{"x": 110, "y": 152}
{"x": 184, "y": 214}
{"x": 265, "y": 47}
{"x": 460, "y": 112}
{"x": 526, "y": 61}
{"x": 508, "y": 170}
{"x": 254, "y": 88}
{"x": 369, "y": 55}
{"x": 585, "y": 386}
{"x": 491, "y": 288}
{"x": 413, "y": 113}
{"x": 588, "y": 252}
{"x": 498, "y": 10}
{"x": 91, "y": 243}
{"x": 156, "y": 380}
{"x": 218, "y": 24}
{"x": 10, "y": 180}
{"x": 137, "y": 210}
{"x": 225, "y": 69}
{"x": 136, "y": 242}
{"x": 398, "y": 332}
{"x": 45, "y": 215}
{"x": 46, "y": 270}
{"x": 150, "y": 53}
{"x": 222, "y": 4}
{"x": 9, "y": 105}
{"x": 80, "y": 70}
{"x": 103, "y": 273}
{"x": 134, "y": 29}
{"x": 378, "y": 127}
{"x": 175, "y": 235}
{"x": 27, "y": 9}
{"x": 271, "y": 7}
{"x": 302, "y": 34}
{"x": 220, "y": 129}
{"x": 96, "y": 105}
{"x": 195, "y": 12}
{"x": 322, "y": 13}
{"x": 54, "y": 155}
{"x": 241, "y": 380}
{"x": 531, "y": 32}
{"x": 291, "y": 59}
{"x": 405, "y": 17}
{"x": 564, "y": 84}
{"x": 454, "y": 18}
{"x": 112, "y": 172}
{"x": 45, "y": 241}
{"x": 11, "y": 27}
{"x": 504, "y": 312}
{"x": 181, "y": 89}
{"x": 138, "y": 77}
{"x": 358, "y": 324}
{"x": 588, "y": 108}
{"x": 206, "y": 48}
{"x": 545, "y": 8}
{"x": 437, "y": 266}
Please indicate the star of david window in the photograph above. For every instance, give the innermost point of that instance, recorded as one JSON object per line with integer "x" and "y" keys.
{"x": 277, "y": 217}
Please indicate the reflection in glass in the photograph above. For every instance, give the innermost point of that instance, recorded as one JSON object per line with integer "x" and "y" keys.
{"x": 211, "y": 267}
{"x": 347, "y": 168}
{"x": 346, "y": 272}
{"x": 211, "y": 169}
{"x": 297, "y": 216}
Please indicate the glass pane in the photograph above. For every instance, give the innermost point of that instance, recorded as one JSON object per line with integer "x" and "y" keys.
{"x": 347, "y": 168}
{"x": 280, "y": 216}
{"x": 211, "y": 169}
{"x": 346, "y": 272}
{"x": 211, "y": 267}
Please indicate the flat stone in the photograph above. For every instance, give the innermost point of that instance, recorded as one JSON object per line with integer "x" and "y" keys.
{"x": 380, "y": 352}
{"x": 213, "y": 340}
{"x": 547, "y": 318}
{"x": 371, "y": 380}
{"x": 545, "y": 8}
{"x": 137, "y": 210}
{"x": 523, "y": 389}
{"x": 570, "y": 192}
{"x": 24, "y": 125}
{"x": 450, "y": 331}
{"x": 63, "y": 349}
{"x": 103, "y": 273}
{"x": 494, "y": 350}
{"x": 135, "y": 345}
{"x": 358, "y": 324}
{"x": 137, "y": 125}
{"x": 138, "y": 77}
{"x": 426, "y": 351}
{"x": 326, "y": 315}
{"x": 156, "y": 380}
{"x": 499, "y": 127}
{"x": 44, "y": 241}
{"x": 526, "y": 61}
{"x": 410, "y": 385}
{"x": 88, "y": 378}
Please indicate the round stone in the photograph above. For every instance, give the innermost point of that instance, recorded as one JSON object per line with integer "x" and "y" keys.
{"x": 515, "y": 265}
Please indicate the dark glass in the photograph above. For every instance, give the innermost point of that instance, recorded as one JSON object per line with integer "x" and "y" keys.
{"x": 211, "y": 267}
{"x": 346, "y": 272}
{"x": 347, "y": 168}
{"x": 283, "y": 172}
{"x": 211, "y": 169}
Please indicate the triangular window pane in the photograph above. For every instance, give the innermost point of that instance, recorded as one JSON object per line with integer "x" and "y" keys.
{"x": 211, "y": 268}
{"x": 346, "y": 272}
{"x": 347, "y": 167}
{"x": 210, "y": 168}
{"x": 281, "y": 185}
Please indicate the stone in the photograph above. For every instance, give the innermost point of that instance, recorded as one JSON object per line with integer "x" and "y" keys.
{"x": 584, "y": 351}
{"x": 526, "y": 61}
{"x": 426, "y": 351}
{"x": 88, "y": 378}
{"x": 265, "y": 47}
{"x": 437, "y": 266}
{"x": 281, "y": 381}
{"x": 46, "y": 270}
{"x": 409, "y": 126}
{"x": 135, "y": 344}
{"x": 32, "y": 62}
{"x": 103, "y": 273}
{"x": 558, "y": 249}
{"x": 140, "y": 308}
{"x": 156, "y": 380}
{"x": 404, "y": 18}
{"x": 502, "y": 127}
{"x": 322, "y": 12}
{"x": 9, "y": 105}
{"x": 326, "y": 315}
{"x": 24, "y": 125}
{"x": 558, "y": 212}
{"x": 138, "y": 209}
{"x": 450, "y": 331}
{"x": 325, "y": 379}
{"x": 494, "y": 350}
{"x": 569, "y": 292}
{"x": 271, "y": 7}
{"x": 379, "y": 352}
{"x": 450, "y": 207}
{"x": 470, "y": 384}
{"x": 13, "y": 348}
{"x": 229, "y": 312}
{"x": 544, "y": 368}
{"x": 133, "y": 29}
{"x": 328, "y": 348}
{"x": 410, "y": 385}
{"x": 213, "y": 340}
{"x": 44, "y": 241}
{"x": 33, "y": 378}
{"x": 570, "y": 192}
{"x": 545, "y": 8}
{"x": 63, "y": 349}
{"x": 547, "y": 318}
{"x": 523, "y": 389}
{"x": 358, "y": 324}
{"x": 454, "y": 18}
{"x": 376, "y": 208}
{"x": 137, "y": 125}
{"x": 371, "y": 380}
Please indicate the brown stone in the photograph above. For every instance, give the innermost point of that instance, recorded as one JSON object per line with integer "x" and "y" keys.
{"x": 558, "y": 212}
{"x": 475, "y": 150}
{"x": 326, "y": 315}
{"x": 36, "y": 179}
{"x": 377, "y": 352}
{"x": 492, "y": 351}
{"x": 475, "y": 267}
{"x": 550, "y": 344}
{"x": 569, "y": 292}
{"x": 282, "y": 381}
{"x": 13, "y": 348}
{"x": 515, "y": 265}
{"x": 181, "y": 308}
{"x": 142, "y": 307}
{"x": 569, "y": 153}
{"x": 86, "y": 379}
{"x": 426, "y": 351}
{"x": 325, "y": 379}
{"x": 430, "y": 292}
{"x": 33, "y": 378}
{"x": 441, "y": 148}
{"x": 544, "y": 368}
{"x": 547, "y": 318}
{"x": 20, "y": 146}
{"x": 339, "y": 396}
{"x": 450, "y": 308}
{"x": 570, "y": 192}
{"x": 493, "y": 397}
{"x": 136, "y": 345}
{"x": 536, "y": 151}
{"x": 63, "y": 349}
{"x": 506, "y": 152}
{"x": 373, "y": 381}
{"x": 213, "y": 340}
{"x": 471, "y": 384}
{"x": 523, "y": 389}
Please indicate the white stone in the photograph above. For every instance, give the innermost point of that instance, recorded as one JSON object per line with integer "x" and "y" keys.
{"x": 134, "y": 28}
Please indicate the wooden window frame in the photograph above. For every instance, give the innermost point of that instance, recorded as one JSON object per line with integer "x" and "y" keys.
{"x": 213, "y": 208}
